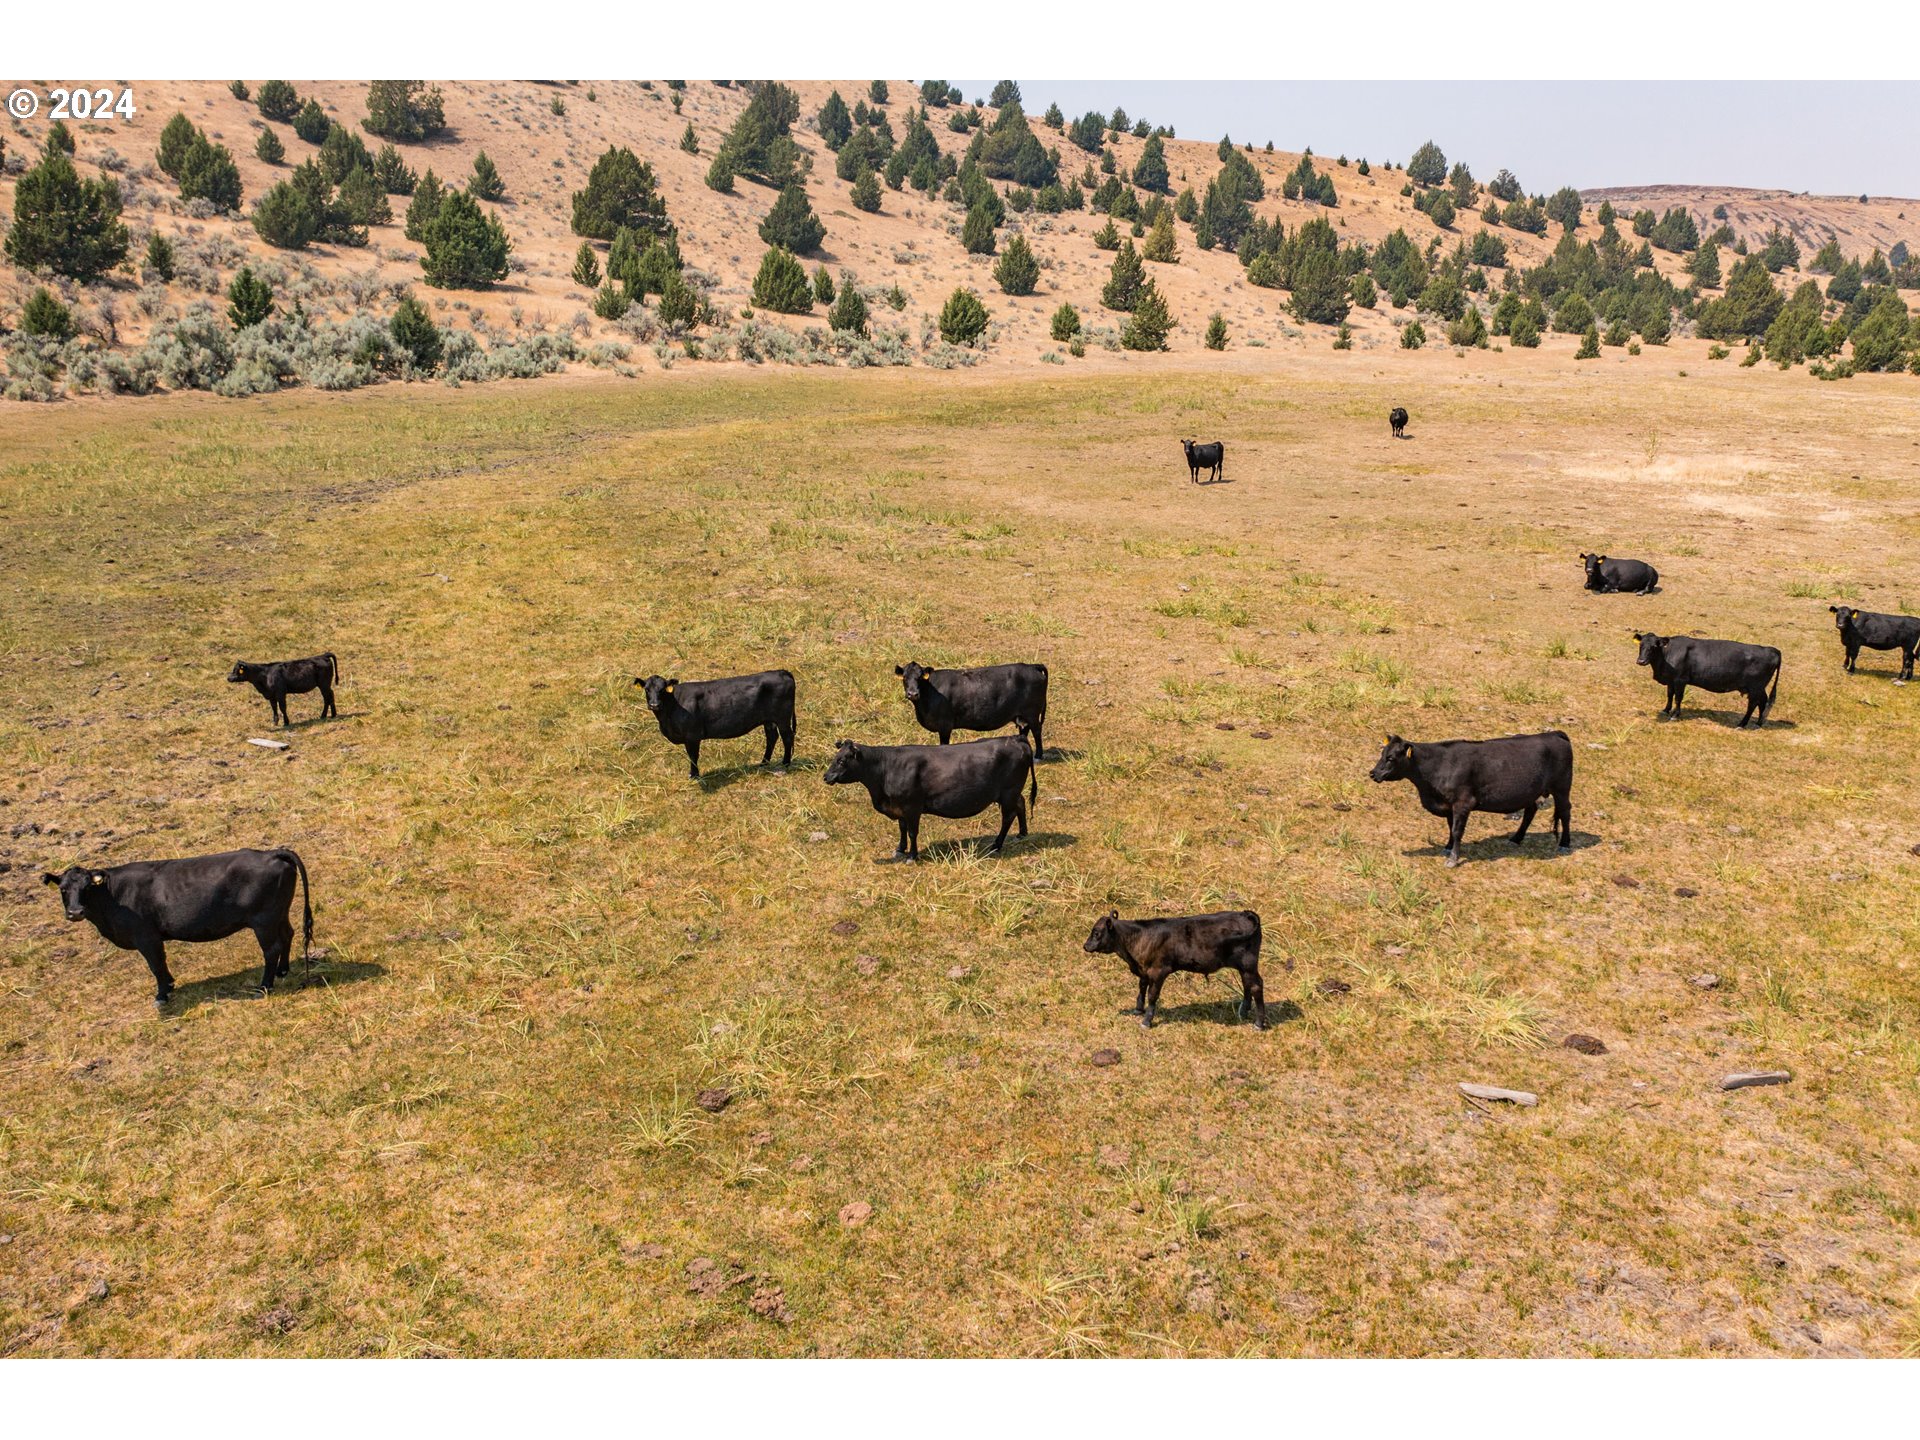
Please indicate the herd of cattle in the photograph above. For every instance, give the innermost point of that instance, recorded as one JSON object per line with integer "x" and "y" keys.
{"x": 143, "y": 905}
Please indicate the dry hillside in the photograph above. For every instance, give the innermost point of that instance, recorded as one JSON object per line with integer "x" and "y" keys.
{"x": 1878, "y": 222}
{"x": 914, "y": 243}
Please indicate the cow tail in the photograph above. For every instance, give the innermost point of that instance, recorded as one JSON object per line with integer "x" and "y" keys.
{"x": 1776, "y": 681}
{"x": 306, "y": 910}
{"x": 1033, "y": 776}
{"x": 334, "y": 661}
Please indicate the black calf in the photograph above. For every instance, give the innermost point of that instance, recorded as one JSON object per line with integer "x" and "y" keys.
{"x": 280, "y": 678}
{"x": 1199, "y": 944}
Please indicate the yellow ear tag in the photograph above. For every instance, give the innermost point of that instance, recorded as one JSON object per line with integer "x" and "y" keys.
{"x": 99, "y": 880}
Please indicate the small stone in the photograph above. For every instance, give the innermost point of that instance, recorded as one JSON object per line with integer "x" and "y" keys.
{"x": 867, "y": 964}
{"x": 1138, "y": 1207}
{"x": 1105, "y": 1057}
{"x": 1626, "y": 882}
{"x": 1110, "y": 1157}
{"x": 1585, "y": 1044}
{"x": 854, "y": 1214}
{"x": 1331, "y": 987}
{"x": 1705, "y": 980}
{"x": 845, "y": 927}
{"x": 801, "y": 1164}
{"x": 1686, "y": 892}
{"x": 1394, "y": 950}
{"x": 816, "y": 836}
{"x": 1746, "y": 1079}
{"x": 1494, "y": 1092}
{"x": 98, "y": 1290}
{"x": 760, "y": 1139}
{"x": 958, "y": 972}
{"x": 1224, "y": 725}
{"x": 1262, "y": 734}
{"x": 714, "y": 1099}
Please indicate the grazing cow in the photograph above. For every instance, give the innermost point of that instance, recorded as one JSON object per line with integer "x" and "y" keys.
{"x": 954, "y": 782}
{"x": 984, "y": 698}
{"x": 1456, "y": 777}
{"x": 1397, "y": 418}
{"x": 280, "y": 678}
{"x": 1877, "y": 632}
{"x": 690, "y": 711}
{"x": 1718, "y": 665}
{"x": 208, "y": 897}
{"x": 1210, "y": 457}
{"x": 1607, "y": 576}
{"x": 1202, "y": 944}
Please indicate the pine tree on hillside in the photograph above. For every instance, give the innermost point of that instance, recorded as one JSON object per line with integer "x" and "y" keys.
{"x": 791, "y": 224}
{"x": 586, "y": 266}
{"x": 277, "y": 100}
{"x": 1005, "y": 92}
{"x": 364, "y": 202}
{"x": 849, "y": 311}
{"x": 1150, "y": 172}
{"x": 1125, "y": 281}
{"x": 311, "y": 123}
{"x": 720, "y": 174}
{"x": 823, "y": 286}
{"x": 268, "y": 147}
{"x": 175, "y": 137}
{"x": 1216, "y": 331}
{"x": 466, "y": 248}
{"x": 249, "y": 299}
{"x": 207, "y": 172}
{"x": 833, "y": 122}
{"x": 159, "y": 259}
{"x": 1017, "y": 271}
{"x": 781, "y": 285}
{"x": 1159, "y": 246}
{"x": 391, "y": 174}
{"x": 963, "y": 319}
{"x": 44, "y": 315}
{"x": 977, "y": 234}
{"x": 485, "y": 182}
{"x": 1428, "y": 165}
{"x": 64, "y": 224}
{"x": 404, "y": 110}
{"x": 1150, "y": 323}
{"x": 284, "y": 218}
{"x": 866, "y": 193}
{"x": 414, "y": 332}
{"x": 427, "y": 196}
{"x": 620, "y": 191}
{"x": 340, "y": 152}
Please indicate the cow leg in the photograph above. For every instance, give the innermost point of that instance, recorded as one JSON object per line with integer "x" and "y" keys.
{"x": 1676, "y": 693}
{"x": 1153, "y": 1000}
{"x": 693, "y": 759}
{"x": 1563, "y": 818}
{"x": 154, "y": 952}
{"x": 1753, "y": 703}
{"x": 772, "y": 734}
{"x": 1853, "y": 654}
{"x": 786, "y": 743}
{"x": 1526, "y": 819}
{"x": 276, "y": 942}
{"x": 1039, "y": 745}
{"x": 1140, "y": 1001}
{"x": 1254, "y": 991}
{"x": 945, "y": 736}
{"x": 912, "y": 823}
{"x": 1021, "y": 814}
{"x": 1906, "y": 666}
{"x": 1456, "y": 828}
{"x": 327, "y": 707}
{"x": 1008, "y": 809}
{"x": 900, "y": 850}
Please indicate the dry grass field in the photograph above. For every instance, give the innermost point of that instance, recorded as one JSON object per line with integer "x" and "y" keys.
{"x": 475, "y": 1131}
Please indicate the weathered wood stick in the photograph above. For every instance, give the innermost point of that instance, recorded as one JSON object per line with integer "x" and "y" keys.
{"x": 1741, "y": 1079}
{"x": 1493, "y": 1092}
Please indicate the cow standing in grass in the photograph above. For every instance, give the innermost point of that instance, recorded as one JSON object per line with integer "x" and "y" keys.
{"x": 1198, "y": 944}
{"x": 143, "y": 905}
{"x": 693, "y": 711}
{"x": 1211, "y": 457}
{"x": 1397, "y": 422}
{"x": 1721, "y": 666}
{"x": 983, "y": 698}
{"x": 1863, "y": 628}
{"x": 952, "y": 781}
{"x": 277, "y": 679}
{"x": 1454, "y": 778}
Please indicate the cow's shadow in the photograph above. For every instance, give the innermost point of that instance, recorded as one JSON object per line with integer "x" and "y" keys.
{"x": 713, "y": 781}
{"x": 1889, "y": 671}
{"x": 1016, "y": 845}
{"x": 1223, "y": 480}
{"x": 1726, "y": 719}
{"x": 1224, "y": 1011}
{"x": 312, "y": 720}
{"x": 1538, "y": 845}
{"x": 244, "y": 984}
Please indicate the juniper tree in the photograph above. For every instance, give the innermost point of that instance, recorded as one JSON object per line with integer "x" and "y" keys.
{"x": 277, "y": 100}
{"x": 1589, "y": 343}
{"x": 1150, "y": 323}
{"x": 1125, "y": 281}
{"x": 249, "y": 299}
{"x": 311, "y": 123}
{"x": 1150, "y": 172}
{"x": 364, "y": 202}
{"x": 1216, "y": 331}
{"x": 1563, "y": 206}
{"x": 1065, "y": 323}
{"x": 427, "y": 196}
{"x": 963, "y": 319}
{"x": 752, "y": 145}
{"x": 60, "y": 138}
{"x": 1160, "y": 245}
{"x": 391, "y": 174}
{"x": 781, "y": 285}
{"x": 159, "y": 260}
{"x": 791, "y": 224}
{"x": 1428, "y": 166}
{"x": 1504, "y": 188}
{"x": 720, "y": 175}
{"x": 621, "y": 190}
{"x": 679, "y": 306}
{"x": 207, "y": 172}
{"x": 44, "y": 315}
{"x": 1525, "y": 332}
{"x": 833, "y": 122}
{"x": 1089, "y": 132}
{"x": 1704, "y": 266}
{"x": 1412, "y": 335}
{"x": 877, "y": 92}
{"x": 1005, "y": 92}
{"x": 689, "y": 142}
{"x": 849, "y": 311}
{"x": 977, "y": 234}
{"x": 175, "y": 136}
{"x": 586, "y": 266}
{"x": 866, "y": 193}
{"x": 64, "y": 224}
{"x": 1321, "y": 292}
{"x": 414, "y": 332}
{"x": 823, "y": 286}
{"x": 485, "y": 182}
{"x": 1017, "y": 271}
{"x": 1440, "y": 211}
{"x": 1053, "y": 119}
{"x": 268, "y": 147}
{"x": 405, "y": 110}
{"x": 610, "y": 301}
{"x": 1469, "y": 331}
{"x": 340, "y": 152}
{"x": 466, "y": 247}
{"x": 284, "y": 218}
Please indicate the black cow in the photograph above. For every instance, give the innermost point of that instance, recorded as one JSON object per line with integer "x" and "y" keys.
{"x": 1877, "y": 632}
{"x": 1614, "y": 577}
{"x": 278, "y": 679}
{"x": 1397, "y": 418}
{"x": 1202, "y": 944}
{"x": 1456, "y": 777}
{"x": 954, "y": 782}
{"x": 984, "y": 698}
{"x": 208, "y": 897}
{"x": 1210, "y": 457}
{"x": 691, "y": 711}
{"x": 1718, "y": 665}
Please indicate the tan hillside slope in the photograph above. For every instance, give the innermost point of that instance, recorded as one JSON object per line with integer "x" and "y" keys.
{"x": 1877, "y": 223}
{"x": 544, "y": 138}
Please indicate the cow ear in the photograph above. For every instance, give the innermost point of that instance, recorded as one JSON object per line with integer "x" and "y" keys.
{"x": 899, "y": 669}
{"x": 47, "y": 877}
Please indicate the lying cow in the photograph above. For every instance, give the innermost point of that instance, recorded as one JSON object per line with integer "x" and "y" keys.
{"x": 1210, "y": 457}
{"x": 984, "y": 698}
{"x": 1202, "y": 944}
{"x": 1454, "y": 778}
{"x": 953, "y": 782}
{"x": 1718, "y": 665}
{"x": 278, "y": 679}
{"x": 1606, "y": 576}
{"x": 208, "y": 897}
{"x": 1397, "y": 418}
{"x": 1860, "y": 628}
{"x": 691, "y": 711}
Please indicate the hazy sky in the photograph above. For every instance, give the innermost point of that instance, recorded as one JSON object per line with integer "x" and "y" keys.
{"x": 1827, "y": 137}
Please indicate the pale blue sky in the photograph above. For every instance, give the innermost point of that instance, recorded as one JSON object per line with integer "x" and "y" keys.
{"x": 1838, "y": 138}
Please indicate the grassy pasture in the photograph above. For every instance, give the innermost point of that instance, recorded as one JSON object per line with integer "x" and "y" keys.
{"x": 478, "y": 1136}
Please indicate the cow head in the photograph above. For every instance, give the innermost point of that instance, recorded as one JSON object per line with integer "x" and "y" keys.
{"x": 912, "y": 676}
{"x": 659, "y": 690}
{"x": 241, "y": 671}
{"x": 1651, "y": 646}
{"x": 1187, "y": 446}
{"x": 1104, "y": 939}
{"x": 844, "y": 768}
{"x": 1842, "y": 616}
{"x": 77, "y": 885}
{"x": 1395, "y": 762}
{"x": 1593, "y": 564}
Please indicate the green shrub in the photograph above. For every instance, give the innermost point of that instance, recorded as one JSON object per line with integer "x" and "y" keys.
{"x": 781, "y": 285}
{"x": 1017, "y": 271}
{"x": 849, "y": 311}
{"x": 1413, "y": 334}
{"x": 404, "y": 110}
{"x": 45, "y": 315}
{"x": 64, "y": 224}
{"x": 249, "y": 299}
{"x": 391, "y": 174}
{"x": 1065, "y": 323}
{"x": 679, "y": 306}
{"x": 1589, "y": 344}
{"x": 427, "y": 196}
{"x": 1469, "y": 331}
{"x": 311, "y": 123}
{"x": 1160, "y": 246}
{"x": 689, "y": 142}
{"x": 277, "y": 100}
{"x": 268, "y": 147}
{"x": 284, "y": 218}
{"x": 759, "y": 145}
{"x": 1107, "y": 237}
{"x": 720, "y": 174}
{"x": 485, "y": 182}
{"x": 159, "y": 261}
{"x": 1441, "y": 210}
{"x": 1150, "y": 323}
{"x": 364, "y": 202}
{"x": 175, "y": 136}
{"x": 610, "y": 301}
{"x": 1125, "y": 280}
{"x": 466, "y": 247}
{"x": 1363, "y": 291}
{"x": 621, "y": 191}
{"x": 977, "y": 234}
{"x": 586, "y": 265}
{"x": 1321, "y": 289}
{"x": 1216, "y": 331}
{"x": 834, "y": 123}
{"x": 1526, "y": 331}
{"x": 823, "y": 286}
{"x": 791, "y": 224}
{"x": 1150, "y": 171}
{"x": 207, "y": 172}
{"x": 340, "y": 153}
{"x": 1573, "y": 316}
{"x": 1428, "y": 166}
{"x": 866, "y": 193}
{"x": 963, "y": 319}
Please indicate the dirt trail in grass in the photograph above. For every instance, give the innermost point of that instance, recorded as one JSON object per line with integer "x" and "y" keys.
{"x": 543, "y": 941}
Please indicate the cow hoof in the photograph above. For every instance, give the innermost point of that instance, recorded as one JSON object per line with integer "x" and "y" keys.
{"x": 1133, "y": 1010}
{"x": 1453, "y": 862}
{"x": 1260, "y": 1025}
{"x": 1564, "y": 849}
